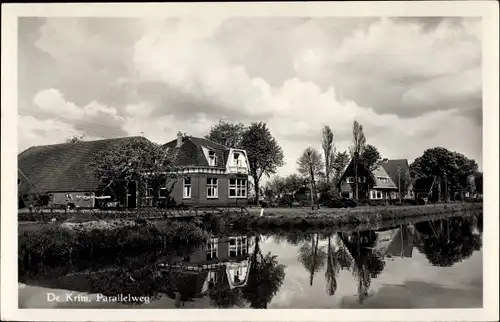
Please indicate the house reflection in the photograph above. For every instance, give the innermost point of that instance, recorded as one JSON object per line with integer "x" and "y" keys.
{"x": 395, "y": 243}
{"x": 222, "y": 263}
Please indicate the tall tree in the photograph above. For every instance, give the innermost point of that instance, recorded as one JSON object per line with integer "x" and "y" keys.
{"x": 370, "y": 157}
{"x": 264, "y": 153}
{"x": 138, "y": 160}
{"x": 328, "y": 150}
{"x": 451, "y": 170}
{"x": 356, "y": 149}
{"x": 340, "y": 163}
{"x": 293, "y": 182}
{"x": 227, "y": 134}
{"x": 310, "y": 165}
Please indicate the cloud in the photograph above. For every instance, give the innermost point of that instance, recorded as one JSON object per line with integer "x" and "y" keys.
{"x": 403, "y": 79}
{"x": 93, "y": 119}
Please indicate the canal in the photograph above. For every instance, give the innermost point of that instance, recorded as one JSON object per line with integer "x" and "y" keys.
{"x": 435, "y": 263}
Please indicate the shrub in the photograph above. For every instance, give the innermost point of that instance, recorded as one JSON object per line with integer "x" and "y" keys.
{"x": 55, "y": 245}
{"x": 286, "y": 201}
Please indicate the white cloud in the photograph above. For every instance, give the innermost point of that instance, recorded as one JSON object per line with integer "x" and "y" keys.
{"x": 94, "y": 119}
{"x": 295, "y": 74}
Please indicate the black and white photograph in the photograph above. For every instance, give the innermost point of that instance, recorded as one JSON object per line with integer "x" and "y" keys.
{"x": 313, "y": 160}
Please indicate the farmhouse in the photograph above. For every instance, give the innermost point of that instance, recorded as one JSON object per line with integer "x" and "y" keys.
{"x": 60, "y": 175}
{"x": 379, "y": 185}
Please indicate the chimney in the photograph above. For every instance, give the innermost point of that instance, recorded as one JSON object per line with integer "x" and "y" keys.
{"x": 179, "y": 138}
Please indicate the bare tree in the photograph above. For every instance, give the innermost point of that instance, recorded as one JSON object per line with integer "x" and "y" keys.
{"x": 310, "y": 164}
{"x": 329, "y": 151}
{"x": 356, "y": 149}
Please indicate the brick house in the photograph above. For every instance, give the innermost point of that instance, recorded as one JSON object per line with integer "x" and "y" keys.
{"x": 210, "y": 174}
{"x": 379, "y": 185}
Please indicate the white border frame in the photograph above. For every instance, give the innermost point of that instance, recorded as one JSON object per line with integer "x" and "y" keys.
{"x": 488, "y": 10}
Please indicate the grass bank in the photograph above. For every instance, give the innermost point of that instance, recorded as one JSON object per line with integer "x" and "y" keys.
{"x": 41, "y": 247}
{"x": 328, "y": 218}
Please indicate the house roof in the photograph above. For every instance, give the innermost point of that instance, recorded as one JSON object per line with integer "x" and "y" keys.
{"x": 191, "y": 153}
{"x": 381, "y": 172}
{"x": 61, "y": 167}
{"x": 391, "y": 167}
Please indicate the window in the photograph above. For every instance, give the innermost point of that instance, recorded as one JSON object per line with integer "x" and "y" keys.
{"x": 350, "y": 180}
{"x": 186, "y": 188}
{"x": 238, "y": 246}
{"x": 237, "y": 188}
{"x": 383, "y": 179}
{"x": 361, "y": 179}
{"x": 212, "y": 188}
{"x": 236, "y": 159}
{"x": 375, "y": 194}
{"x": 212, "y": 158}
{"x": 212, "y": 249}
{"x": 163, "y": 192}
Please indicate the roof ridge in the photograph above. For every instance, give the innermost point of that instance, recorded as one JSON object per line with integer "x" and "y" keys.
{"x": 92, "y": 141}
{"x": 210, "y": 141}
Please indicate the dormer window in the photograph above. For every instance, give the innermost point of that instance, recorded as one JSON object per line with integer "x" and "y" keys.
{"x": 236, "y": 159}
{"x": 383, "y": 179}
{"x": 212, "y": 158}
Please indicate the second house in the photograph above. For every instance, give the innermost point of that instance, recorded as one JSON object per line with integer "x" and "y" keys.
{"x": 210, "y": 174}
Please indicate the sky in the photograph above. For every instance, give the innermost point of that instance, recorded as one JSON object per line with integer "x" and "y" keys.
{"x": 413, "y": 83}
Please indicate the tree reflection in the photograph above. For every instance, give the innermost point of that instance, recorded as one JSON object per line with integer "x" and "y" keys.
{"x": 312, "y": 257}
{"x": 366, "y": 265}
{"x": 445, "y": 242}
{"x": 265, "y": 279}
{"x": 299, "y": 237}
{"x": 332, "y": 268}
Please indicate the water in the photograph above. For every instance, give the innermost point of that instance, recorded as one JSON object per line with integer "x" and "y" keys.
{"x": 426, "y": 264}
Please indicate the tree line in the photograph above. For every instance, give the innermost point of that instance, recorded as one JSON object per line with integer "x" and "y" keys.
{"x": 318, "y": 170}
{"x": 322, "y": 170}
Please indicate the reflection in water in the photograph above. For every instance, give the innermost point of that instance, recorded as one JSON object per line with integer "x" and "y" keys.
{"x": 446, "y": 242}
{"x": 232, "y": 274}
{"x": 364, "y": 253}
{"x": 312, "y": 256}
{"x": 234, "y": 271}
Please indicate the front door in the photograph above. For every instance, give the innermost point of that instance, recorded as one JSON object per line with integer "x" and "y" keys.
{"x": 132, "y": 194}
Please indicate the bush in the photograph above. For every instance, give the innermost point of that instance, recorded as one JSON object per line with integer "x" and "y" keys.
{"x": 286, "y": 201}
{"x": 349, "y": 203}
{"x": 326, "y": 196}
{"x": 334, "y": 202}
{"x": 55, "y": 245}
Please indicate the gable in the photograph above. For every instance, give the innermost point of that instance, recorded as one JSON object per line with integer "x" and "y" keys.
{"x": 349, "y": 171}
{"x": 378, "y": 175}
{"x": 391, "y": 167}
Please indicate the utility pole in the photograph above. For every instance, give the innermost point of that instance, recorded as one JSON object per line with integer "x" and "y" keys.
{"x": 399, "y": 182}
{"x": 445, "y": 188}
